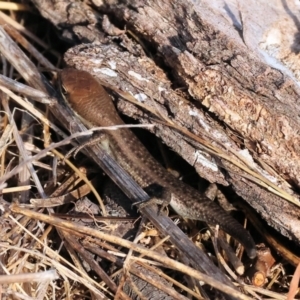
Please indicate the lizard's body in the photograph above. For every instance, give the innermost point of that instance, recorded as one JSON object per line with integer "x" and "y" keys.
{"x": 94, "y": 107}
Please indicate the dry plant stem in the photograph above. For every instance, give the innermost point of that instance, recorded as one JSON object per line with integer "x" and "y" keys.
{"x": 135, "y": 289}
{"x": 39, "y": 164}
{"x": 73, "y": 254}
{"x": 16, "y": 295}
{"x": 85, "y": 280}
{"x": 76, "y": 260}
{"x": 231, "y": 256}
{"x": 27, "y": 137}
{"x": 26, "y": 90}
{"x": 126, "y": 264}
{"x": 66, "y": 184}
{"x": 165, "y": 260}
{"x": 141, "y": 274}
{"x": 233, "y": 259}
{"x": 86, "y": 216}
{"x": 27, "y": 277}
{"x": 47, "y": 141}
{"x": 253, "y": 294}
{"x": 14, "y": 55}
{"x": 75, "y": 245}
{"x": 264, "y": 292}
{"x": 32, "y": 110}
{"x": 156, "y": 245}
{"x": 101, "y": 253}
{"x": 294, "y": 284}
{"x": 30, "y": 48}
{"x": 20, "y": 264}
{"x": 134, "y": 259}
{"x": 16, "y": 189}
{"x": 222, "y": 261}
{"x": 84, "y": 179}
{"x": 17, "y": 285}
{"x": 4, "y": 142}
{"x": 46, "y": 233}
{"x": 102, "y": 244}
{"x": 194, "y": 284}
{"x": 35, "y": 227}
{"x": 274, "y": 278}
{"x": 148, "y": 278}
{"x": 16, "y": 231}
{"x": 6, "y": 19}
{"x": 120, "y": 286}
{"x": 22, "y": 150}
{"x": 284, "y": 251}
{"x": 63, "y": 199}
{"x": 241, "y": 249}
{"x": 14, "y": 6}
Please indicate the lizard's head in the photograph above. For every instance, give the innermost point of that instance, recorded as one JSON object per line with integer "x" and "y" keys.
{"x": 83, "y": 93}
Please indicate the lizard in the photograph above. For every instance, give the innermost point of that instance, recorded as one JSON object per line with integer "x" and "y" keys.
{"x": 93, "y": 106}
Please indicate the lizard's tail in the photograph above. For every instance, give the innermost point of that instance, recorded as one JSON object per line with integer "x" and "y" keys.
{"x": 232, "y": 227}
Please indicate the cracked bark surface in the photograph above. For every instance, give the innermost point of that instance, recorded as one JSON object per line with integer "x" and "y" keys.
{"x": 229, "y": 96}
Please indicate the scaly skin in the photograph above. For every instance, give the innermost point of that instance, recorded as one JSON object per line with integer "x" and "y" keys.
{"x": 91, "y": 103}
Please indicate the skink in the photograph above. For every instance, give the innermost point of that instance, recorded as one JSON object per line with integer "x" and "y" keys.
{"x": 91, "y": 103}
